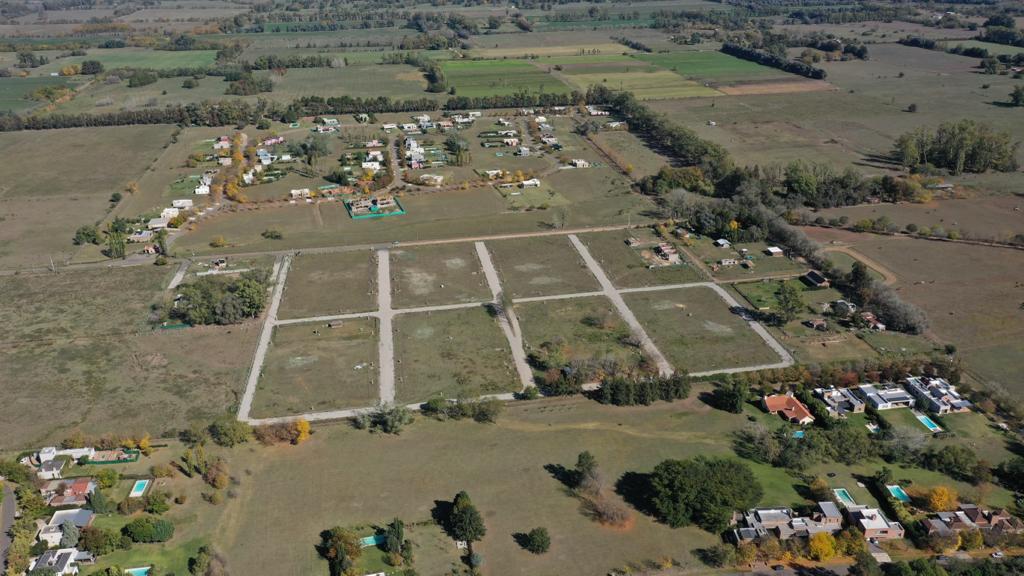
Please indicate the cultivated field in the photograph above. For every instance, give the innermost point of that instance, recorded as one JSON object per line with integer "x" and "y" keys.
{"x": 437, "y": 275}
{"x": 712, "y": 66}
{"x": 647, "y": 85}
{"x": 499, "y": 78}
{"x": 324, "y": 284}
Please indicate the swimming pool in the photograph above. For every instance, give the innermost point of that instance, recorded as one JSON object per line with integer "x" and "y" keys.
{"x": 798, "y": 434}
{"x": 374, "y": 540}
{"x": 141, "y": 571}
{"x": 138, "y": 489}
{"x": 898, "y": 493}
{"x": 928, "y": 422}
{"x": 844, "y": 497}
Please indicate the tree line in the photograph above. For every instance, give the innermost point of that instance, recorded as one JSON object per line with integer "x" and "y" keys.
{"x": 766, "y": 59}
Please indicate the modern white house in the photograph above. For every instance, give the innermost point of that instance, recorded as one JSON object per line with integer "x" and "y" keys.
{"x": 885, "y": 396}
{"x": 937, "y": 395}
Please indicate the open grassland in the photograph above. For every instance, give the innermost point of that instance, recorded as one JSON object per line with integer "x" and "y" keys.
{"x": 873, "y": 32}
{"x": 653, "y": 85}
{"x": 711, "y": 66}
{"x": 541, "y": 267}
{"x": 454, "y": 353}
{"x": 499, "y": 78}
{"x": 43, "y": 203}
{"x": 16, "y": 93}
{"x": 583, "y": 328}
{"x": 696, "y": 331}
{"x": 137, "y": 58}
{"x": 335, "y": 283}
{"x": 435, "y": 275}
{"x": 628, "y": 267}
{"x": 545, "y": 51}
{"x": 313, "y": 368}
{"x": 993, "y": 48}
{"x": 633, "y": 151}
{"x": 77, "y": 352}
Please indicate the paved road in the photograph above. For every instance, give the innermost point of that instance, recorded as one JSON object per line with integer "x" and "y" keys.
{"x": 508, "y": 321}
{"x": 386, "y": 339}
{"x": 281, "y": 273}
{"x": 616, "y": 299}
{"x": 7, "y": 508}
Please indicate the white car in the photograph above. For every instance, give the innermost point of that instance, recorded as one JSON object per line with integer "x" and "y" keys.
{"x": 998, "y": 554}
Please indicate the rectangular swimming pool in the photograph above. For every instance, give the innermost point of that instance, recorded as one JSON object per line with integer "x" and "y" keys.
{"x": 898, "y": 493}
{"x": 844, "y": 497}
{"x": 928, "y": 422}
{"x": 138, "y": 489}
{"x": 374, "y": 540}
{"x": 141, "y": 571}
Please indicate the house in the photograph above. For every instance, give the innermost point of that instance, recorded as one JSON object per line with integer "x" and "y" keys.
{"x": 375, "y": 156}
{"x": 371, "y": 166}
{"x": 523, "y": 151}
{"x": 373, "y": 144}
{"x": 61, "y": 561}
{"x": 141, "y": 236}
{"x": 169, "y": 213}
{"x": 503, "y": 122}
{"x": 249, "y": 177}
{"x": 595, "y": 111}
{"x": 52, "y": 531}
{"x": 937, "y": 395}
{"x": 615, "y": 125}
{"x": 202, "y": 189}
{"x": 722, "y": 243}
{"x": 389, "y": 126}
{"x": 225, "y": 161}
{"x": 549, "y": 140}
{"x": 540, "y": 120}
{"x": 531, "y": 183}
{"x": 788, "y": 407}
{"x": 494, "y": 174}
{"x": 784, "y": 524}
{"x": 512, "y": 142}
{"x": 728, "y": 262}
{"x": 50, "y": 452}
{"x": 69, "y": 492}
{"x": 432, "y": 179}
{"x": 183, "y": 204}
{"x": 330, "y": 122}
{"x": 300, "y": 193}
{"x": 843, "y": 309}
{"x": 773, "y": 251}
{"x": 872, "y": 321}
{"x": 508, "y": 133}
{"x": 273, "y": 141}
{"x": 579, "y": 163}
{"x": 323, "y": 129}
{"x": 874, "y": 524}
{"x": 158, "y": 223}
{"x": 445, "y": 124}
{"x": 422, "y": 118}
{"x": 668, "y": 253}
{"x": 474, "y": 114}
{"x": 885, "y": 396}
{"x": 815, "y": 279}
{"x": 819, "y": 324}
{"x": 222, "y": 143}
{"x": 50, "y": 469}
{"x": 840, "y": 401}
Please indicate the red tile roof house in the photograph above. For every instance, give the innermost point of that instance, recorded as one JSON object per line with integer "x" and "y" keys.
{"x": 68, "y": 492}
{"x": 788, "y": 407}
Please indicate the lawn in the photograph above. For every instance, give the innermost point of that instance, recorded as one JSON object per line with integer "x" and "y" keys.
{"x": 711, "y": 66}
{"x": 585, "y": 329}
{"x": 326, "y": 284}
{"x": 15, "y": 93}
{"x": 499, "y": 78}
{"x": 627, "y": 267}
{"x": 313, "y": 368}
{"x": 541, "y": 266}
{"x": 453, "y": 353}
{"x": 652, "y": 85}
{"x": 696, "y": 331}
{"x": 435, "y": 275}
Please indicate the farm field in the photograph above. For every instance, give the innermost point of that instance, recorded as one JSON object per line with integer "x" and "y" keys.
{"x": 437, "y": 275}
{"x": 696, "y": 331}
{"x": 454, "y": 353}
{"x": 581, "y": 328}
{"x": 541, "y": 267}
{"x": 43, "y": 207}
{"x": 80, "y": 340}
{"x": 653, "y": 85}
{"x": 16, "y": 93}
{"x": 313, "y": 368}
{"x": 136, "y": 58}
{"x": 334, "y": 283}
{"x": 499, "y": 78}
{"x": 712, "y": 66}
{"x": 627, "y": 267}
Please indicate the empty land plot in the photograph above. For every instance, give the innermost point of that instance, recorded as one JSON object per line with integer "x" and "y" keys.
{"x": 313, "y": 368}
{"x": 334, "y": 283}
{"x": 454, "y": 353}
{"x": 627, "y": 266}
{"x": 499, "y": 78}
{"x": 42, "y": 204}
{"x": 541, "y": 267}
{"x": 632, "y": 150}
{"x": 434, "y": 275}
{"x": 844, "y": 262}
{"x": 77, "y": 352}
{"x": 696, "y": 331}
{"x": 712, "y": 66}
{"x": 546, "y": 51}
{"x": 653, "y": 85}
{"x": 581, "y": 328}
{"x": 139, "y": 58}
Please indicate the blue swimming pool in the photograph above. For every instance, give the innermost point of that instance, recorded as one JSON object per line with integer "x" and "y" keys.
{"x": 898, "y": 493}
{"x": 142, "y": 571}
{"x": 375, "y": 540}
{"x": 798, "y": 434}
{"x": 928, "y": 423}
{"x": 138, "y": 489}
{"x": 844, "y": 497}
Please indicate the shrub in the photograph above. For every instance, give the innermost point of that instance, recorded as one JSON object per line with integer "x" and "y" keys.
{"x": 149, "y": 529}
{"x": 538, "y": 541}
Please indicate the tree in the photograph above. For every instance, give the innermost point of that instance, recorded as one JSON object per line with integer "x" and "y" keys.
{"x": 395, "y": 536}
{"x": 790, "y": 301}
{"x": 586, "y": 467}
{"x": 1017, "y": 96}
{"x": 822, "y": 547}
{"x": 228, "y": 431}
{"x": 87, "y": 234}
{"x": 820, "y": 489}
{"x": 971, "y": 539}
{"x": 69, "y": 534}
{"x": 864, "y": 564}
{"x": 341, "y": 548}
{"x": 719, "y": 556}
{"x": 731, "y": 394}
{"x": 702, "y": 491}
{"x": 941, "y": 499}
{"x": 107, "y": 478}
{"x": 149, "y": 529}
{"x": 538, "y": 541}
{"x": 99, "y": 503}
{"x": 301, "y": 427}
{"x": 465, "y": 522}
{"x": 117, "y": 242}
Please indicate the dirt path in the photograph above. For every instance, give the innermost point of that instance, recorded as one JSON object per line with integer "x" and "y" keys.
{"x": 508, "y": 321}
{"x": 281, "y": 273}
{"x": 616, "y": 299}
{"x": 386, "y": 338}
{"x": 888, "y": 276}
{"x": 179, "y": 275}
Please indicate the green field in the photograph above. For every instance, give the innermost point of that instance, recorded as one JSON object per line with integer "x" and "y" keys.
{"x": 138, "y": 58}
{"x": 654, "y": 85}
{"x": 313, "y": 368}
{"x": 711, "y": 66}
{"x": 499, "y": 78}
{"x": 15, "y": 93}
{"x": 992, "y": 47}
{"x": 323, "y": 284}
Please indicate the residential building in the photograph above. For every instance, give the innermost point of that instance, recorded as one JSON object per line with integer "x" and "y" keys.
{"x": 874, "y": 524}
{"x": 531, "y": 183}
{"x": 843, "y": 309}
{"x": 50, "y": 470}
{"x": 783, "y": 523}
{"x": 840, "y": 401}
{"x": 67, "y": 492}
{"x": 300, "y": 193}
{"x": 788, "y": 407}
{"x": 937, "y": 395}
{"x": 52, "y": 531}
{"x": 722, "y": 243}
{"x": 62, "y": 561}
{"x": 579, "y": 163}
{"x": 815, "y": 279}
{"x": 972, "y": 517}
{"x": 202, "y": 189}
{"x": 432, "y": 179}
{"x": 885, "y": 396}
{"x": 773, "y": 251}
{"x": 872, "y": 321}
{"x": 169, "y": 213}
{"x": 819, "y": 324}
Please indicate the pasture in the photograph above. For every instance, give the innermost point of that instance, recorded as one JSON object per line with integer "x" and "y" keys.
{"x": 452, "y": 353}
{"x": 332, "y": 283}
{"x": 633, "y": 152}
{"x": 542, "y": 266}
{"x": 437, "y": 275}
{"x": 137, "y": 58}
{"x": 581, "y": 328}
{"x": 16, "y": 93}
{"x": 315, "y": 368}
{"x": 696, "y": 331}
{"x": 711, "y": 66}
{"x": 499, "y": 78}
{"x": 652, "y": 85}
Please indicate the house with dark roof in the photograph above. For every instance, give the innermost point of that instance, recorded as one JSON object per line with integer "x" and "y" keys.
{"x": 784, "y": 524}
{"x": 885, "y": 396}
{"x": 815, "y": 279}
{"x": 62, "y": 561}
{"x": 840, "y": 401}
{"x": 937, "y": 395}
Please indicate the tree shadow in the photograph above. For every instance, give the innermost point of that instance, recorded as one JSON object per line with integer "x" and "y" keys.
{"x": 441, "y": 512}
{"x": 635, "y": 489}
{"x": 522, "y": 539}
{"x": 567, "y": 477}
{"x": 1003, "y": 104}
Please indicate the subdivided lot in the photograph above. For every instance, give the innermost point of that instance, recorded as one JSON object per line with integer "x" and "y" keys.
{"x": 541, "y": 266}
{"x": 580, "y": 328}
{"x": 712, "y": 66}
{"x": 749, "y": 261}
{"x": 632, "y": 151}
{"x": 42, "y": 205}
{"x": 452, "y": 353}
{"x": 77, "y": 352}
{"x": 696, "y": 331}
{"x": 16, "y": 93}
{"x": 435, "y": 275}
{"x": 629, "y": 267}
{"x": 645, "y": 85}
{"x": 844, "y": 262}
{"x": 333, "y": 283}
{"x": 499, "y": 78}
{"x": 314, "y": 368}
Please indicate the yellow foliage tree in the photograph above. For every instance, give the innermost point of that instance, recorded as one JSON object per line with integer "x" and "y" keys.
{"x": 301, "y": 431}
{"x": 822, "y": 547}
{"x": 941, "y": 499}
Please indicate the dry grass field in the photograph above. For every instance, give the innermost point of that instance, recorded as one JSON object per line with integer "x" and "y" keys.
{"x": 587, "y": 329}
{"x": 541, "y": 267}
{"x": 334, "y": 283}
{"x": 435, "y": 275}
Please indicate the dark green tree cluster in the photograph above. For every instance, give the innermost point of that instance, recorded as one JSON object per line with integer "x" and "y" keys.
{"x": 961, "y": 146}
{"x": 341, "y": 548}
{"x": 702, "y": 491}
{"x": 486, "y": 410}
{"x": 775, "y": 61}
{"x": 149, "y": 529}
{"x": 140, "y": 78}
{"x": 465, "y": 522}
{"x": 621, "y": 390}
{"x": 222, "y": 300}
{"x": 249, "y": 85}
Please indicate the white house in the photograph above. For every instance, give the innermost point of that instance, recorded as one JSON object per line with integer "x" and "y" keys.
{"x": 225, "y": 161}
{"x": 222, "y": 143}
{"x": 50, "y": 470}
{"x": 375, "y": 156}
{"x": 579, "y": 163}
{"x": 523, "y": 151}
{"x": 53, "y": 530}
{"x": 389, "y": 126}
{"x": 540, "y": 120}
{"x": 249, "y": 177}
{"x": 494, "y": 174}
{"x": 432, "y": 179}
{"x": 773, "y": 251}
{"x": 157, "y": 223}
{"x": 531, "y": 183}
{"x": 474, "y": 114}
{"x": 184, "y": 203}
{"x": 50, "y": 452}
{"x": 330, "y": 122}
{"x": 202, "y": 189}
{"x": 595, "y": 111}
{"x": 722, "y": 243}
{"x": 300, "y": 193}
{"x": 371, "y": 166}
{"x": 169, "y": 213}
